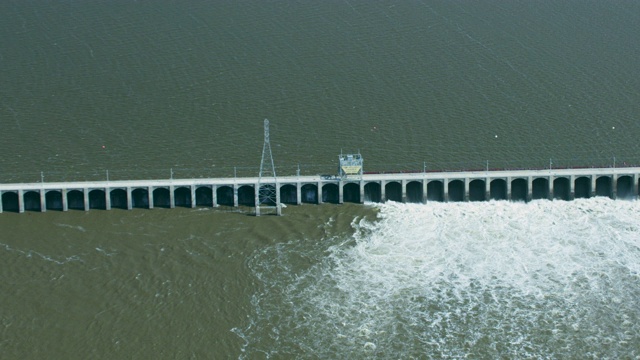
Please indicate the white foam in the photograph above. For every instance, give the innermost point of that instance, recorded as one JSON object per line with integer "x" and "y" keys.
{"x": 495, "y": 279}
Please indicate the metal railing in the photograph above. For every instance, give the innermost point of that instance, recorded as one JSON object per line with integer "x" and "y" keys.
{"x": 316, "y": 169}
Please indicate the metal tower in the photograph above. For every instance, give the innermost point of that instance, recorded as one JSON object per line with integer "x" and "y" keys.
{"x": 267, "y": 194}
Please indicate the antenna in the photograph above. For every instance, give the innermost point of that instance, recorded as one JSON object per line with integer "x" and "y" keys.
{"x": 267, "y": 194}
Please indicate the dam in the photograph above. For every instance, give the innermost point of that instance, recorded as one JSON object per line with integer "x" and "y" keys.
{"x": 415, "y": 187}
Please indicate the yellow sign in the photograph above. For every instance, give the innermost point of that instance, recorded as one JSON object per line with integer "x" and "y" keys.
{"x": 351, "y": 170}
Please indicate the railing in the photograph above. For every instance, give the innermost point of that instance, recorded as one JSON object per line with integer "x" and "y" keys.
{"x": 315, "y": 169}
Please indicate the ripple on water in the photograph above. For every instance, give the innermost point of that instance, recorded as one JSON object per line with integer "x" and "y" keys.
{"x": 457, "y": 279}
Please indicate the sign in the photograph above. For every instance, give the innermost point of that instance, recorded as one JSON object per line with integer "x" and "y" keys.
{"x": 351, "y": 169}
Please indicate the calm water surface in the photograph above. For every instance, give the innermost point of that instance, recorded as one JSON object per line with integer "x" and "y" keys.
{"x": 139, "y": 88}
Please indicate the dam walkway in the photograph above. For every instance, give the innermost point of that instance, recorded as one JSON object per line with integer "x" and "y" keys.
{"x": 419, "y": 187}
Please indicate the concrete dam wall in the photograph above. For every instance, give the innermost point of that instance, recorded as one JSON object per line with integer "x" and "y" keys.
{"x": 513, "y": 185}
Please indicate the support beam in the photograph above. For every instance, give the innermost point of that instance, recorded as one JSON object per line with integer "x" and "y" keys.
{"x": 214, "y": 196}
{"x": 383, "y": 191}
{"x": 445, "y": 186}
{"x": 340, "y": 192}
{"x": 425, "y": 187}
{"x": 361, "y": 192}
{"x": 65, "y": 201}
{"x": 572, "y": 187}
{"x": 278, "y": 203}
{"x": 150, "y": 196}
{"x": 193, "y": 196}
{"x": 319, "y": 192}
{"x": 487, "y": 189}
{"x": 466, "y": 189}
{"x": 256, "y": 198}
{"x": 85, "y": 194}
{"x": 235, "y": 195}
{"x": 0, "y": 202}
{"x": 21, "y": 201}
{"x": 43, "y": 201}
{"x": 299, "y": 193}
{"x": 403, "y": 184}
{"x": 172, "y": 197}
{"x": 129, "y": 199}
{"x": 107, "y": 198}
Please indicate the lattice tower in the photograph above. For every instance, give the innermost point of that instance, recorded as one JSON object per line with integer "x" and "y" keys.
{"x": 267, "y": 195}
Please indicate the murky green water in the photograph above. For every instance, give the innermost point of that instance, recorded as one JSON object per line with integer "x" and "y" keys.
{"x": 140, "y": 88}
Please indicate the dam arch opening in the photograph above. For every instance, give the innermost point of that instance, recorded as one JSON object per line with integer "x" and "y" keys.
{"x": 330, "y": 193}
{"x": 561, "y": 188}
{"x": 415, "y": 192}
{"x": 161, "y": 198}
{"x": 351, "y": 192}
{"x": 53, "y": 200}
{"x": 625, "y": 187}
{"x": 604, "y": 186}
{"x": 119, "y": 199}
{"x": 498, "y": 189}
{"x": 456, "y": 190}
{"x": 477, "y": 190}
{"x": 540, "y": 189}
{"x": 224, "y": 194}
{"x": 435, "y": 191}
{"x": 204, "y": 196}
{"x": 519, "y": 190}
{"x": 75, "y": 200}
{"x": 289, "y": 194}
{"x": 31, "y": 201}
{"x": 372, "y": 192}
{"x": 393, "y": 191}
{"x": 10, "y": 202}
{"x": 309, "y": 194}
{"x": 247, "y": 195}
{"x": 182, "y": 197}
{"x": 140, "y": 198}
{"x": 582, "y": 187}
{"x": 98, "y": 199}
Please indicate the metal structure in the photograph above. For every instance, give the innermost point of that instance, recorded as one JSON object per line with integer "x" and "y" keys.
{"x": 351, "y": 166}
{"x": 267, "y": 196}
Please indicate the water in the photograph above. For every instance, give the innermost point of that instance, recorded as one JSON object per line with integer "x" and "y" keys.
{"x": 168, "y": 283}
{"x": 405, "y": 83}
{"x": 498, "y": 279}
{"x": 144, "y": 88}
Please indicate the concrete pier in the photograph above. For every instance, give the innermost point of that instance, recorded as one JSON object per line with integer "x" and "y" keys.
{"x": 514, "y": 185}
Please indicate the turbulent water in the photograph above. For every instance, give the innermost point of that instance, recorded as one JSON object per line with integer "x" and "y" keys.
{"x": 482, "y": 280}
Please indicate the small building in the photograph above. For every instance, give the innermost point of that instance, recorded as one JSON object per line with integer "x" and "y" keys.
{"x": 351, "y": 165}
